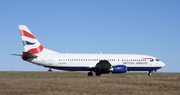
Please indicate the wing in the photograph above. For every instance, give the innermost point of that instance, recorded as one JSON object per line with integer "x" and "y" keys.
{"x": 102, "y": 67}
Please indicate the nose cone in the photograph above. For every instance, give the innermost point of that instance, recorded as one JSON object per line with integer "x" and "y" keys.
{"x": 162, "y": 64}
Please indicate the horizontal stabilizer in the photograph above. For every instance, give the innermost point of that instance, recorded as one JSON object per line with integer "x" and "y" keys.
{"x": 29, "y": 55}
{"x": 16, "y": 54}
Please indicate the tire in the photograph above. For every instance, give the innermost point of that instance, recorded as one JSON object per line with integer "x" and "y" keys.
{"x": 98, "y": 73}
{"x": 90, "y": 74}
{"x": 149, "y": 74}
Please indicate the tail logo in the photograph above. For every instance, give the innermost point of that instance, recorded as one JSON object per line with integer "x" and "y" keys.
{"x": 31, "y": 44}
{"x": 36, "y": 50}
{"x": 25, "y": 33}
{"x": 27, "y": 43}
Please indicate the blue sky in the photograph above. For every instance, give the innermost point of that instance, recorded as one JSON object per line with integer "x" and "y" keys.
{"x": 150, "y": 27}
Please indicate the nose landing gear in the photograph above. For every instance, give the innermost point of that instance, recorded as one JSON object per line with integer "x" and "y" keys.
{"x": 149, "y": 73}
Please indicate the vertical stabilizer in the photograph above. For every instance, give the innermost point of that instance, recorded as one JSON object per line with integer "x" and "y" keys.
{"x": 31, "y": 44}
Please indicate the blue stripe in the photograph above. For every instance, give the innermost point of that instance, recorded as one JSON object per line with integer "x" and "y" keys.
{"x": 27, "y": 43}
{"x": 71, "y": 68}
{"x": 142, "y": 68}
{"x": 88, "y": 68}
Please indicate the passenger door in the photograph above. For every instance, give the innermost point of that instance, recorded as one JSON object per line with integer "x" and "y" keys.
{"x": 50, "y": 61}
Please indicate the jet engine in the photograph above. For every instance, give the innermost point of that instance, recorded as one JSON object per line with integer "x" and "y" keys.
{"x": 119, "y": 69}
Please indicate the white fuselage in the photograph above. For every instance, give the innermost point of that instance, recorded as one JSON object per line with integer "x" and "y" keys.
{"x": 83, "y": 62}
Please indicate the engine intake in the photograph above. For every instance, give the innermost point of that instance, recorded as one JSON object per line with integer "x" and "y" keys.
{"x": 119, "y": 69}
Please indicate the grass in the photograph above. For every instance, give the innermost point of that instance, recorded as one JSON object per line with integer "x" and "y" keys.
{"x": 78, "y": 83}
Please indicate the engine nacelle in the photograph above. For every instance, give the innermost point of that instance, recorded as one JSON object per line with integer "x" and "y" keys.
{"x": 119, "y": 69}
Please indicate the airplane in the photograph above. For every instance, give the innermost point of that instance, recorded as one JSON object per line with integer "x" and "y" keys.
{"x": 93, "y": 63}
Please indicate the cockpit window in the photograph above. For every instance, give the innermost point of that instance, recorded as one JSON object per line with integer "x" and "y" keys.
{"x": 157, "y": 59}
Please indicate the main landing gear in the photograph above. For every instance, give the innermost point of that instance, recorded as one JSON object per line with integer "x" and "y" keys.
{"x": 98, "y": 73}
{"x": 91, "y": 73}
{"x": 50, "y": 70}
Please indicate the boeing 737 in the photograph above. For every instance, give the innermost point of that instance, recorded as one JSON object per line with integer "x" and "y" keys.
{"x": 94, "y": 63}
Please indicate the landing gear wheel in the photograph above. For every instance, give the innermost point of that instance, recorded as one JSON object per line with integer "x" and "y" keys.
{"x": 98, "y": 73}
{"x": 90, "y": 74}
{"x": 149, "y": 73}
{"x": 50, "y": 70}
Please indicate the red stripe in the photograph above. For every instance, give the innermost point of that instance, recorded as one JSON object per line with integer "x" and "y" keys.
{"x": 147, "y": 58}
{"x": 36, "y": 50}
{"x": 25, "y": 33}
